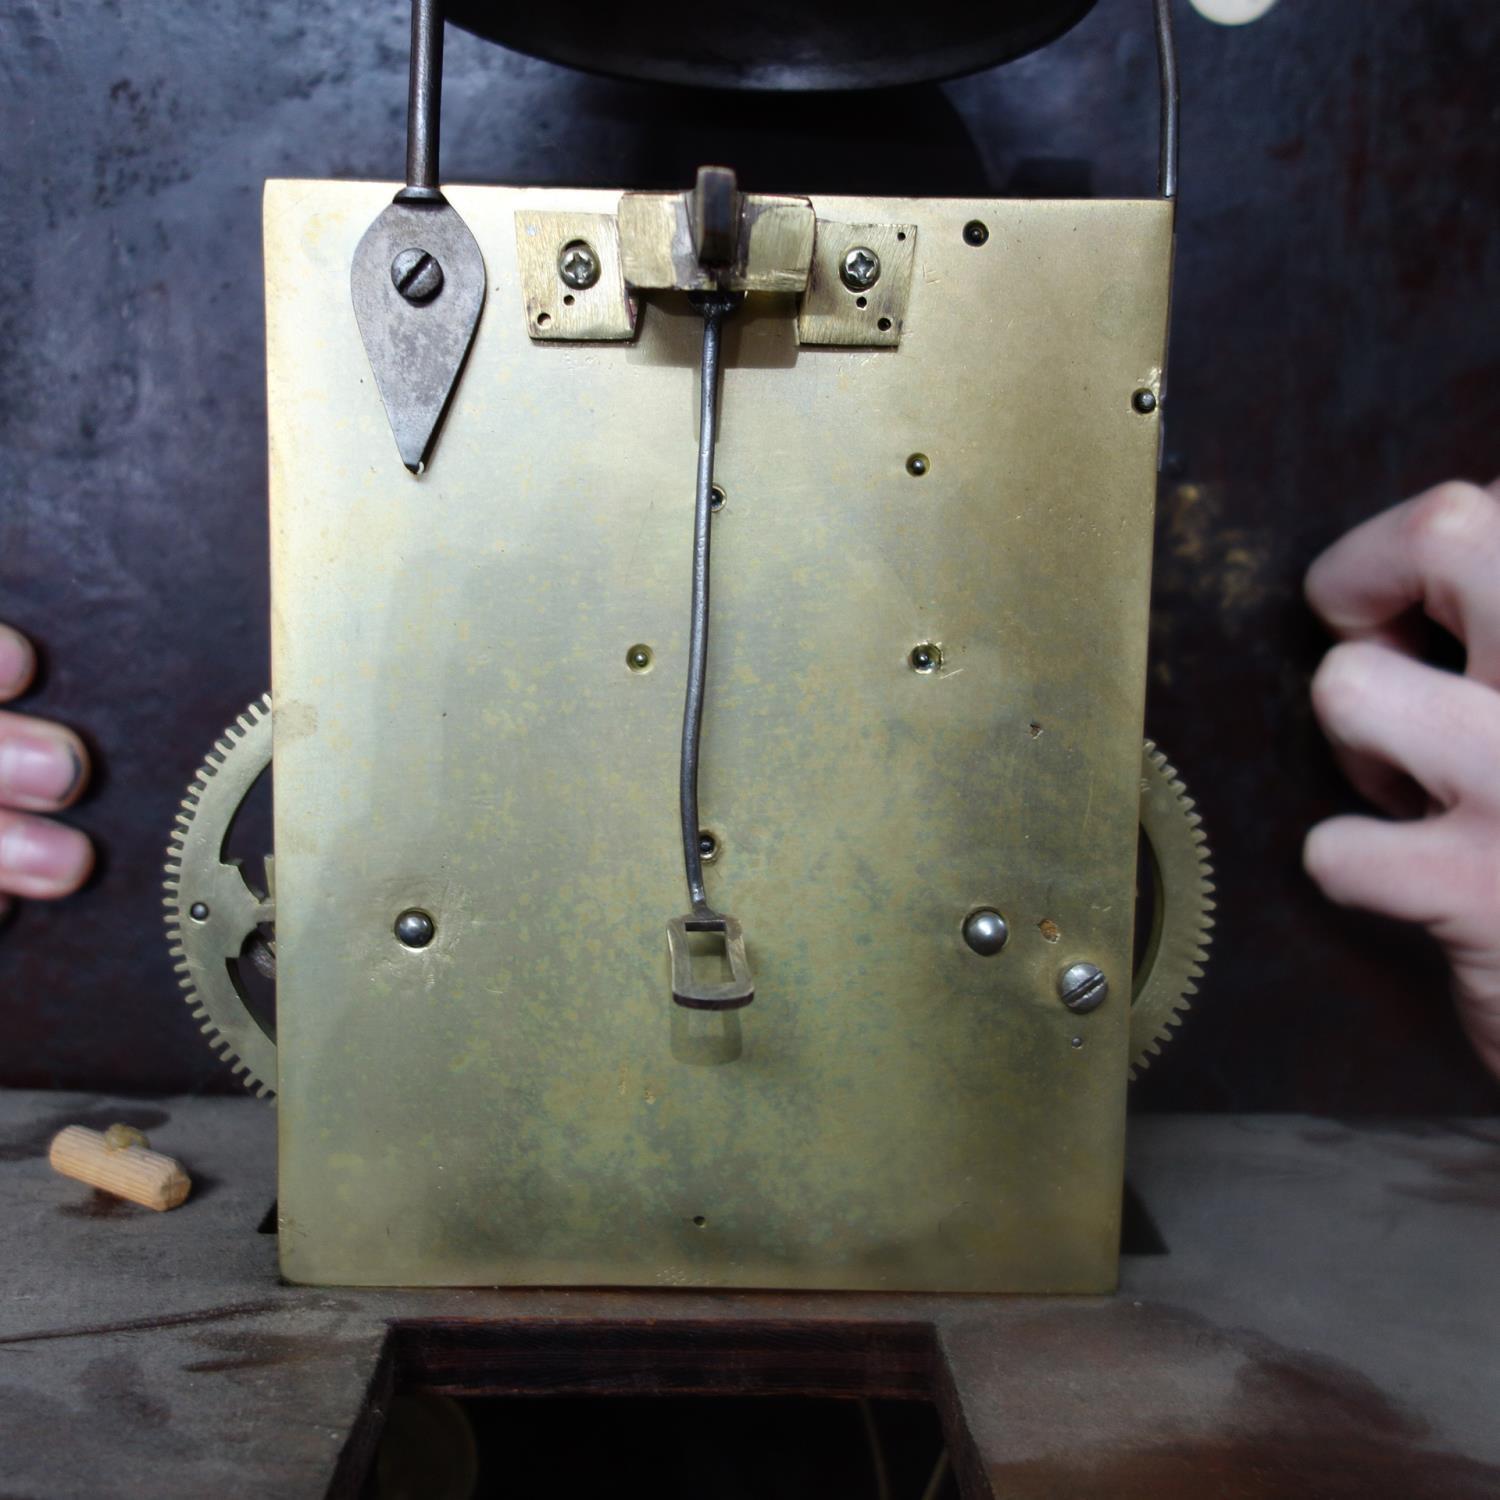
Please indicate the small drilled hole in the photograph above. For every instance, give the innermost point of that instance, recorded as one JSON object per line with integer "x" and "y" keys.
{"x": 568, "y": 300}
{"x": 976, "y": 232}
{"x": 716, "y": 497}
{"x": 925, "y": 658}
{"x": 699, "y": 1221}
{"x": 638, "y": 658}
{"x": 1049, "y": 929}
{"x": 543, "y": 319}
{"x": 708, "y": 845}
{"x": 861, "y": 301}
{"x": 884, "y": 325}
{"x": 900, "y": 234}
{"x": 917, "y": 465}
{"x": 1034, "y": 729}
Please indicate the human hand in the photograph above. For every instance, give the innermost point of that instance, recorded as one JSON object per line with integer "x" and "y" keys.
{"x": 43, "y": 768}
{"x": 1421, "y": 743}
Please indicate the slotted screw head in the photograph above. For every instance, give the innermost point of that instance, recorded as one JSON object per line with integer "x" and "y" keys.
{"x": 861, "y": 269}
{"x": 578, "y": 265}
{"x": 416, "y": 275}
{"x": 1082, "y": 987}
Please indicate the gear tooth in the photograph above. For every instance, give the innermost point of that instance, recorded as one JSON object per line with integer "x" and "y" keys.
{"x": 1179, "y": 846}
{"x": 208, "y": 803}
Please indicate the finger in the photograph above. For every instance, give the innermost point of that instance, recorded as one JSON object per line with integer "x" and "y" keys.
{"x": 1403, "y": 870}
{"x": 17, "y": 663}
{"x": 43, "y": 767}
{"x": 1392, "y": 791}
{"x": 41, "y": 858}
{"x": 1440, "y": 729}
{"x": 1439, "y": 551}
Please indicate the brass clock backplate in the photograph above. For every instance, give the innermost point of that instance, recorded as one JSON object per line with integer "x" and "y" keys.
{"x": 462, "y": 728}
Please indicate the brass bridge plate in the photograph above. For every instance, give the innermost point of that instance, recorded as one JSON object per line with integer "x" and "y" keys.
{"x": 458, "y": 729}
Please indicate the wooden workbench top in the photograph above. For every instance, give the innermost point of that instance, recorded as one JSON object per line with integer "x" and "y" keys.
{"x": 1325, "y": 1321}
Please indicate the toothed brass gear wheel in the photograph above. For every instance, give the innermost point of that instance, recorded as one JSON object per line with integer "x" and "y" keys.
{"x": 1176, "y": 948}
{"x": 216, "y": 919}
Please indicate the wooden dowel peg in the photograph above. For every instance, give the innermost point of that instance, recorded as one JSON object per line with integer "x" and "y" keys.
{"x": 119, "y": 1161}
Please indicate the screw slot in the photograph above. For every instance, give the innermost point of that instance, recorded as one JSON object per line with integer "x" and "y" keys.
{"x": 578, "y": 265}
{"x": 860, "y": 269}
{"x": 1144, "y": 401}
{"x": 416, "y": 274}
{"x": 976, "y": 232}
{"x": 199, "y": 911}
{"x": 414, "y": 928}
{"x": 926, "y": 658}
{"x": 917, "y": 465}
{"x": 638, "y": 658}
{"x": 1082, "y": 987}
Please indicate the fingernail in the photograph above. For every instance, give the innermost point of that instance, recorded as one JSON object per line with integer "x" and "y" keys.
{"x": 38, "y": 768}
{"x": 15, "y": 662}
{"x": 35, "y": 849}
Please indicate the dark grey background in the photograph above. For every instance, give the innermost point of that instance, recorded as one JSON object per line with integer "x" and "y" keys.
{"x": 1335, "y": 347}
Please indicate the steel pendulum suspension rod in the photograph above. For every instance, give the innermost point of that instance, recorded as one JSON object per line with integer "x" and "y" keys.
{"x": 739, "y": 989}
{"x": 424, "y": 94}
{"x": 1166, "y": 63}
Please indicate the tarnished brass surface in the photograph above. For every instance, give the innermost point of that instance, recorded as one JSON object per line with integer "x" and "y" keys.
{"x": 457, "y": 729}
{"x": 832, "y": 313}
{"x": 554, "y": 310}
{"x": 775, "y": 244}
